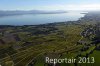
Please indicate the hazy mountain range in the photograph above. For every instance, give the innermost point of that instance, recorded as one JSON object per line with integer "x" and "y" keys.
{"x": 22, "y": 12}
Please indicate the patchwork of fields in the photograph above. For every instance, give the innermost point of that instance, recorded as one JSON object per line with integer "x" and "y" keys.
{"x": 28, "y": 45}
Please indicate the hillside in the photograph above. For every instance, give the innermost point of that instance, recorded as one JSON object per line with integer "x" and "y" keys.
{"x": 28, "y": 45}
{"x": 22, "y": 12}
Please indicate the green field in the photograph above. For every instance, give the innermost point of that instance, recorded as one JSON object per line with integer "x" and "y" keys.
{"x": 29, "y": 45}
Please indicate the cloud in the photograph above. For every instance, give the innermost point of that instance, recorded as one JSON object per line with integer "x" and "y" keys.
{"x": 73, "y": 7}
{"x": 84, "y": 7}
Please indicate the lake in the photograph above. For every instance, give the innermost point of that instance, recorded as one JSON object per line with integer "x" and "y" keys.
{"x": 35, "y": 19}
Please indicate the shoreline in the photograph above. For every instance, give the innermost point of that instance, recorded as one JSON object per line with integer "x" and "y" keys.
{"x": 66, "y": 21}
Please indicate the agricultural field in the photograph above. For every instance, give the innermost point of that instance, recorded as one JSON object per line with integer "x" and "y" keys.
{"x": 28, "y": 45}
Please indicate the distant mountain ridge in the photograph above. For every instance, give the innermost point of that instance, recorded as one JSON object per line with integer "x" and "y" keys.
{"x": 22, "y": 12}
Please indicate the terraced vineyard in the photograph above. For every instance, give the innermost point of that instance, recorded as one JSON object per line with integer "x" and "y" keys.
{"x": 28, "y": 45}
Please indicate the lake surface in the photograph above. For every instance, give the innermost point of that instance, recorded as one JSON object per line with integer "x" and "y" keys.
{"x": 34, "y": 19}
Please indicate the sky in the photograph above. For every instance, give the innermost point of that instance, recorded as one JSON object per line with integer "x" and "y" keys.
{"x": 49, "y": 4}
